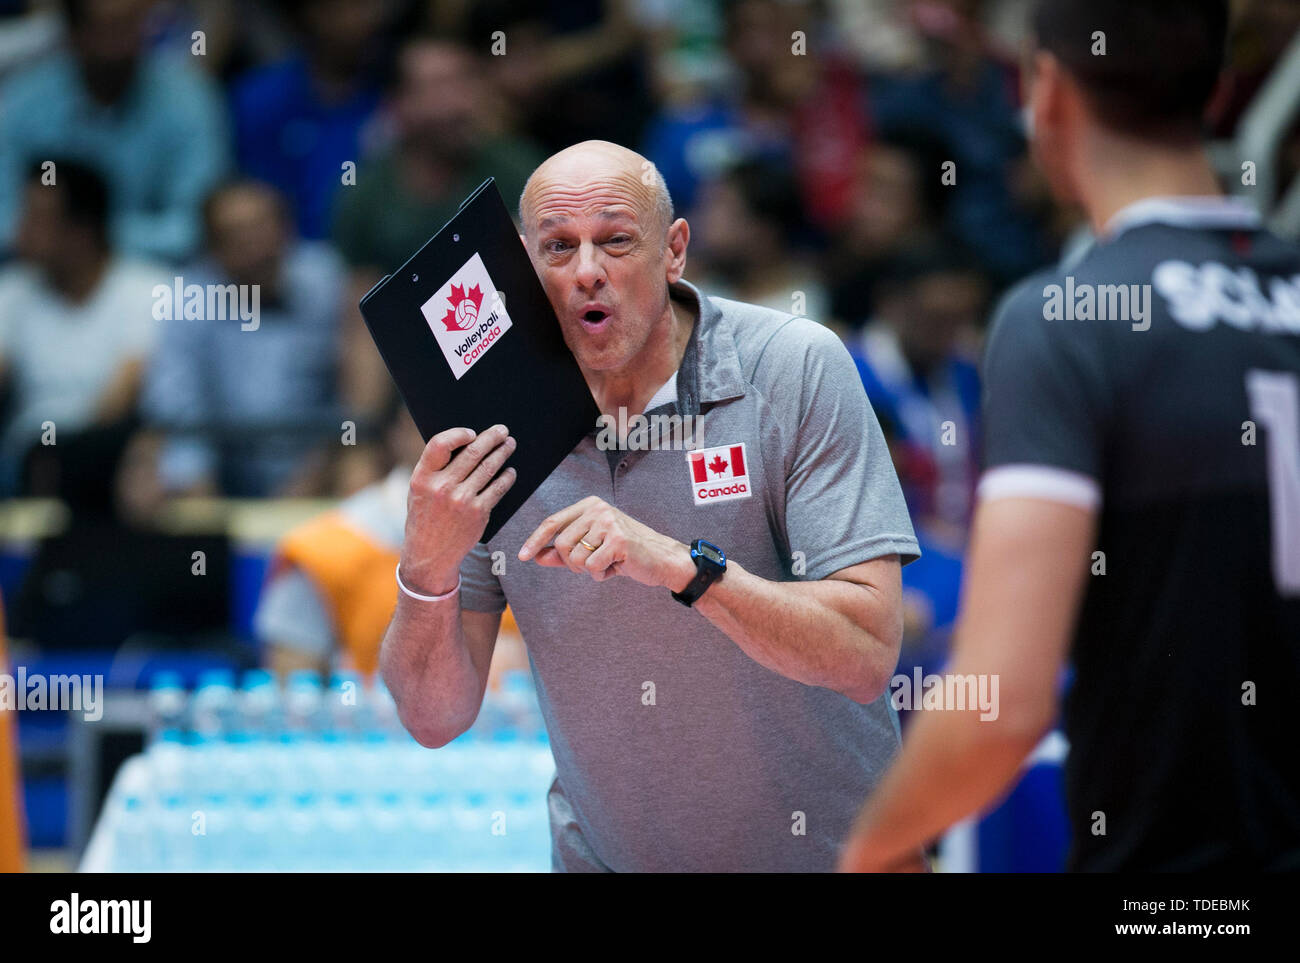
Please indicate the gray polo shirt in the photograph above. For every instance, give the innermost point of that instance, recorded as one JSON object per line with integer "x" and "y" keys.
{"x": 674, "y": 750}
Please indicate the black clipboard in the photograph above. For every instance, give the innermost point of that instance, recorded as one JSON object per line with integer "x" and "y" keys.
{"x": 471, "y": 340}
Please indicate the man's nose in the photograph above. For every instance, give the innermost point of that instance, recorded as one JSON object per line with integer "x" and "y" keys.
{"x": 590, "y": 274}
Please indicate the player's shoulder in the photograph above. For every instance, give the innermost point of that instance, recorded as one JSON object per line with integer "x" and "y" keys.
{"x": 18, "y": 281}
{"x": 1021, "y": 306}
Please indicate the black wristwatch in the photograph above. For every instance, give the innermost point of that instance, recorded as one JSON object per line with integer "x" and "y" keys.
{"x": 710, "y": 563}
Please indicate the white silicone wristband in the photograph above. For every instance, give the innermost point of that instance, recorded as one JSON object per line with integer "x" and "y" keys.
{"x": 424, "y": 598}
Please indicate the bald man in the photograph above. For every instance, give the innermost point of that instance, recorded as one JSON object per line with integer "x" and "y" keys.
{"x": 711, "y": 631}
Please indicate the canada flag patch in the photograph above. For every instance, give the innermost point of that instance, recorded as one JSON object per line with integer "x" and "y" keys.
{"x": 719, "y": 474}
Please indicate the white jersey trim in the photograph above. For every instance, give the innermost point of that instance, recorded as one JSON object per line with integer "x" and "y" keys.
{"x": 1040, "y": 481}
{"x": 1184, "y": 211}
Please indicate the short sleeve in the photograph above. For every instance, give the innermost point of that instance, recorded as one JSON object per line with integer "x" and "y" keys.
{"x": 480, "y": 589}
{"x": 844, "y": 504}
{"x": 1044, "y": 388}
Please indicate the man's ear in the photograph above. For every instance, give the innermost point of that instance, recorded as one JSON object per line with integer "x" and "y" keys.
{"x": 1051, "y": 91}
{"x": 1058, "y": 111}
{"x": 679, "y": 236}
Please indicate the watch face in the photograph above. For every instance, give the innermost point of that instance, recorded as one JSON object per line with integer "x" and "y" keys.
{"x": 712, "y": 553}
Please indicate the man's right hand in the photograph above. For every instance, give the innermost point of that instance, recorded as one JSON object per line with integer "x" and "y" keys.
{"x": 449, "y": 502}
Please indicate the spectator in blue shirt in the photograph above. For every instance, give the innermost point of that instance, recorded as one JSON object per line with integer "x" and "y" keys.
{"x": 298, "y": 121}
{"x": 151, "y": 121}
{"x": 245, "y": 402}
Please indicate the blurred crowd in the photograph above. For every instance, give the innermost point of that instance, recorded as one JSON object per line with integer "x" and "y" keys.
{"x": 861, "y": 162}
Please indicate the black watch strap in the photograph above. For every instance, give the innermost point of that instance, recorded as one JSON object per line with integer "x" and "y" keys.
{"x": 695, "y": 587}
{"x": 706, "y": 573}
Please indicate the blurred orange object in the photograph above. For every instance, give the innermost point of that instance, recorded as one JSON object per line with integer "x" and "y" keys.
{"x": 11, "y": 802}
{"x": 355, "y": 574}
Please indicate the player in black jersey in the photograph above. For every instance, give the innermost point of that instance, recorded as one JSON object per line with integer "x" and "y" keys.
{"x": 1139, "y": 514}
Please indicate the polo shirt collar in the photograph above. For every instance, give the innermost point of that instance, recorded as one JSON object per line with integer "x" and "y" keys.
{"x": 710, "y": 368}
{"x": 1184, "y": 211}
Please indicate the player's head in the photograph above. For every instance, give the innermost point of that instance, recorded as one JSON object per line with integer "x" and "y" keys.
{"x": 65, "y": 214}
{"x": 248, "y": 229}
{"x": 598, "y": 224}
{"x": 1139, "y": 70}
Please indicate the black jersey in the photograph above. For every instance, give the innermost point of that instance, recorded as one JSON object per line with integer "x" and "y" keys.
{"x": 1161, "y": 374}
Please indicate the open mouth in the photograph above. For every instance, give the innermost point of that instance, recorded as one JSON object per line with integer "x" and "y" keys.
{"x": 595, "y": 320}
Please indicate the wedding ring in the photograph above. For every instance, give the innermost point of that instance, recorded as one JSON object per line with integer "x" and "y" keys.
{"x": 587, "y": 545}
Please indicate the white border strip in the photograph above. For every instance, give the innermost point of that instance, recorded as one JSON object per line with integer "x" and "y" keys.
{"x": 1040, "y": 481}
{"x": 1187, "y": 211}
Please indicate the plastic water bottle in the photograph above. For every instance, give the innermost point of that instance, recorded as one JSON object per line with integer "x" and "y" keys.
{"x": 343, "y": 846}
{"x": 381, "y": 714}
{"x": 213, "y": 709}
{"x": 387, "y": 829}
{"x": 214, "y": 831}
{"x": 429, "y": 819}
{"x": 260, "y": 704}
{"x": 256, "y": 827}
{"x": 302, "y": 704}
{"x": 132, "y": 845}
{"x": 165, "y": 758}
{"x": 303, "y": 835}
{"x": 168, "y": 702}
{"x": 345, "y": 705}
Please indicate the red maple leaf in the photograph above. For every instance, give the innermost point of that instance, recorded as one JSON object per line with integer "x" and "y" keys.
{"x": 718, "y": 465}
{"x": 475, "y": 297}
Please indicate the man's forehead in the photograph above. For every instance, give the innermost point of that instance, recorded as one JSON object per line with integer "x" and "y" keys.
{"x": 553, "y": 201}
{"x": 590, "y": 179}
{"x": 561, "y": 215}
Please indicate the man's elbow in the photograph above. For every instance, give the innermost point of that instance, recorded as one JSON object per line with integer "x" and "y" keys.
{"x": 872, "y": 680}
{"x": 869, "y": 689}
{"x": 432, "y": 736}
{"x": 431, "y": 722}
{"x": 880, "y": 650}
{"x": 433, "y": 730}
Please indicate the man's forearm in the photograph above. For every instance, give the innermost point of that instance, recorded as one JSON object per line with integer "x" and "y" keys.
{"x": 430, "y": 670}
{"x": 833, "y": 633}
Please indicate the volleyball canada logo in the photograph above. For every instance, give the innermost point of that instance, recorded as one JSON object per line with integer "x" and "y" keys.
{"x": 464, "y": 325}
{"x": 463, "y": 312}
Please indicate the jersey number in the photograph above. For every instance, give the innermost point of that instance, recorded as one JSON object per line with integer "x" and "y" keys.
{"x": 1275, "y": 403}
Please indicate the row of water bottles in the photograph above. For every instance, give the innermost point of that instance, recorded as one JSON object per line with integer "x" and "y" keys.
{"x": 343, "y": 832}
{"x": 305, "y": 707}
{"x": 315, "y": 778}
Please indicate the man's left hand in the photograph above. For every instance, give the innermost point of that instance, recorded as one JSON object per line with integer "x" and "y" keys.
{"x": 614, "y": 545}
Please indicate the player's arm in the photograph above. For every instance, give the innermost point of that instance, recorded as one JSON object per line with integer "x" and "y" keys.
{"x": 435, "y": 655}
{"x": 119, "y": 396}
{"x": 1027, "y": 566}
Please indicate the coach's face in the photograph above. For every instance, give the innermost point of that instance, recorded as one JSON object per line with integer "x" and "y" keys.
{"x": 603, "y": 251}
